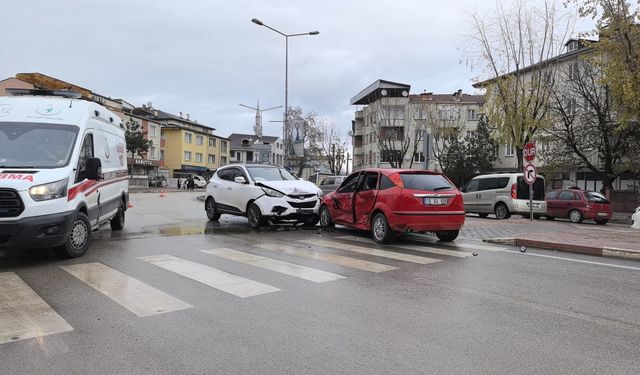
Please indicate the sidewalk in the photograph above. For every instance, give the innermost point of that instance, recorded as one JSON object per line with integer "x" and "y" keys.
{"x": 588, "y": 238}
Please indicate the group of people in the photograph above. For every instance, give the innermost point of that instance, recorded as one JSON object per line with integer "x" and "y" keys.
{"x": 188, "y": 183}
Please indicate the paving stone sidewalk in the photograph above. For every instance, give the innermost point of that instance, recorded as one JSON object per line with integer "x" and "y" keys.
{"x": 557, "y": 235}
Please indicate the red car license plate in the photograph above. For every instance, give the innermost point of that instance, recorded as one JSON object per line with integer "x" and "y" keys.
{"x": 602, "y": 214}
{"x": 435, "y": 201}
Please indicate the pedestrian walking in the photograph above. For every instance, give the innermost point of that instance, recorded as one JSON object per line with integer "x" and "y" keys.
{"x": 178, "y": 183}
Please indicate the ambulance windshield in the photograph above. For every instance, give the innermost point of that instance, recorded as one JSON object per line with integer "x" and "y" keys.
{"x": 36, "y": 145}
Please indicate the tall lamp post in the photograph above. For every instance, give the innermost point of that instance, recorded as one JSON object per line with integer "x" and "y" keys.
{"x": 285, "y": 122}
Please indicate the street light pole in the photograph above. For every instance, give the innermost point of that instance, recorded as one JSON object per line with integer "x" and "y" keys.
{"x": 285, "y": 122}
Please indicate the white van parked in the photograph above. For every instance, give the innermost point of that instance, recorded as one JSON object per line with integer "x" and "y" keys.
{"x": 503, "y": 194}
{"x": 63, "y": 171}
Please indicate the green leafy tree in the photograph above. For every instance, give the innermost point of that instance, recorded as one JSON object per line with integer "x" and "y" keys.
{"x": 136, "y": 144}
{"x": 618, "y": 32}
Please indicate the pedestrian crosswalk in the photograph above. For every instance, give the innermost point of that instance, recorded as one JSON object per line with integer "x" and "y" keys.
{"x": 25, "y": 314}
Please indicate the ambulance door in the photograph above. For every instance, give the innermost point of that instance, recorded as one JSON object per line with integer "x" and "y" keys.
{"x": 82, "y": 185}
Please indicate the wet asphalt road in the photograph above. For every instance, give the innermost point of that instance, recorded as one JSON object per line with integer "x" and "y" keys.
{"x": 500, "y": 312}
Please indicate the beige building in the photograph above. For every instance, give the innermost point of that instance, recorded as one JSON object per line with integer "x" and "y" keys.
{"x": 392, "y": 126}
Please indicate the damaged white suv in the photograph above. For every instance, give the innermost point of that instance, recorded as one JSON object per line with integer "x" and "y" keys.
{"x": 263, "y": 193}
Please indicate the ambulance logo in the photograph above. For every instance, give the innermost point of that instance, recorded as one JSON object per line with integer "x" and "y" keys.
{"x": 107, "y": 151}
{"x": 48, "y": 110}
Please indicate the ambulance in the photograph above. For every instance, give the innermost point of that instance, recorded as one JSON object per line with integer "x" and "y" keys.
{"x": 63, "y": 171}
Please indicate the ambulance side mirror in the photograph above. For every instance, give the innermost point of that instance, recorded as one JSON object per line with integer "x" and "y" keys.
{"x": 94, "y": 169}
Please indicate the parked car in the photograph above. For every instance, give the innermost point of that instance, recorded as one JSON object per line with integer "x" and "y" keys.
{"x": 391, "y": 201}
{"x": 199, "y": 181}
{"x": 263, "y": 193}
{"x": 577, "y": 205}
{"x": 331, "y": 183}
{"x": 503, "y": 194}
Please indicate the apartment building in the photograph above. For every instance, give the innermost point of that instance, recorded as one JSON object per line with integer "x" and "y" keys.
{"x": 187, "y": 147}
{"x": 394, "y": 127}
{"x": 561, "y": 69}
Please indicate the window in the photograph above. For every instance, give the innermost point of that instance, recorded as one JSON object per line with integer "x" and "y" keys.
{"x": 508, "y": 150}
{"x": 390, "y": 155}
{"x": 566, "y": 195}
{"x": 471, "y": 115}
{"x": 85, "y": 153}
{"x": 198, "y": 157}
{"x": 232, "y": 154}
{"x": 249, "y": 156}
{"x": 230, "y": 174}
{"x": 199, "y": 140}
{"x": 211, "y": 159}
{"x": 471, "y": 186}
{"x": 424, "y": 181}
{"x": 386, "y": 183}
{"x": 418, "y": 157}
{"x": 572, "y": 71}
{"x": 572, "y": 46}
{"x": 154, "y": 152}
{"x": 152, "y": 130}
{"x": 161, "y": 154}
{"x": 187, "y": 155}
{"x": 212, "y": 142}
{"x": 187, "y": 137}
{"x": 223, "y": 160}
{"x": 552, "y": 195}
{"x": 223, "y": 146}
{"x": 493, "y": 183}
{"x": 349, "y": 185}
{"x": 369, "y": 181}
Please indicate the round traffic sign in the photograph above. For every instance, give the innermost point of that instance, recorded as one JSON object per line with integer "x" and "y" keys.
{"x": 529, "y": 151}
{"x": 530, "y": 173}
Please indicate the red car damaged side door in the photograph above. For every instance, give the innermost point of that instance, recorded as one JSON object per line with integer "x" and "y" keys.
{"x": 365, "y": 198}
{"x": 343, "y": 200}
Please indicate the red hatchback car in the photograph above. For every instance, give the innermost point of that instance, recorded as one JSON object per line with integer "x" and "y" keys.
{"x": 388, "y": 201}
{"x": 578, "y": 205}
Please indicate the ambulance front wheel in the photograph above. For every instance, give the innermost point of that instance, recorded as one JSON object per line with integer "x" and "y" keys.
{"x": 77, "y": 239}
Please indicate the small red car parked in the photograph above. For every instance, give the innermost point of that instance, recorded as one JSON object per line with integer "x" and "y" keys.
{"x": 578, "y": 205}
{"x": 395, "y": 200}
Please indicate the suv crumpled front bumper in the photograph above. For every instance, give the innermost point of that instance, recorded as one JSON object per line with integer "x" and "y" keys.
{"x": 287, "y": 208}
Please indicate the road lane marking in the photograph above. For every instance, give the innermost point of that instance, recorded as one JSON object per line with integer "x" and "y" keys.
{"x": 132, "y": 294}
{"x": 573, "y": 260}
{"x": 327, "y": 257}
{"x": 291, "y": 269}
{"x": 474, "y": 245}
{"x": 424, "y": 249}
{"x": 23, "y": 314}
{"x": 374, "y": 252}
{"x": 215, "y": 278}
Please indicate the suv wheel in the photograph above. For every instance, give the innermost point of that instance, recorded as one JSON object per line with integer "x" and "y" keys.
{"x": 447, "y": 235}
{"x": 254, "y": 216}
{"x": 212, "y": 211}
{"x": 502, "y": 211}
{"x": 575, "y": 216}
{"x": 380, "y": 229}
{"x": 325, "y": 218}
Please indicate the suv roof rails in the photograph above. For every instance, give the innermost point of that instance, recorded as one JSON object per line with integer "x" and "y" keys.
{"x": 41, "y": 92}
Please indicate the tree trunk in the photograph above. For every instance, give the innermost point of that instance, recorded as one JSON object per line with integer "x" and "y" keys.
{"x": 519, "y": 154}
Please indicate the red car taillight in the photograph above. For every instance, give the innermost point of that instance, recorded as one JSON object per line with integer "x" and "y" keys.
{"x": 514, "y": 191}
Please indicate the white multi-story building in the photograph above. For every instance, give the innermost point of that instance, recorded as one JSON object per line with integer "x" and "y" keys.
{"x": 395, "y": 128}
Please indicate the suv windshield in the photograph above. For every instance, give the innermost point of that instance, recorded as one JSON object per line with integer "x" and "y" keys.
{"x": 270, "y": 174}
{"x": 36, "y": 145}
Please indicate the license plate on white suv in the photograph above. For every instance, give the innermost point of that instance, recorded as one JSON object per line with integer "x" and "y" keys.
{"x": 436, "y": 201}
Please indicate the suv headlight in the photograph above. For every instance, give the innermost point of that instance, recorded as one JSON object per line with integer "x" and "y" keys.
{"x": 272, "y": 193}
{"x": 49, "y": 191}
{"x": 320, "y": 194}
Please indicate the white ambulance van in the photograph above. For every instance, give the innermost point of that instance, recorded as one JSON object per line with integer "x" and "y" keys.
{"x": 63, "y": 171}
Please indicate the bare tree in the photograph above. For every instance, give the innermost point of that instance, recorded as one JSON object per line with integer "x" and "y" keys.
{"x": 446, "y": 125}
{"x": 505, "y": 45}
{"x": 333, "y": 146}
{"x": 587, "y": 126}
{"x": 395, "y": 134}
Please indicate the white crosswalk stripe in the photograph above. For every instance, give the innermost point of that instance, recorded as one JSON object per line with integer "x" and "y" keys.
{"x": 224, "y": 281}
{"x": 291, "y": 269}
{"x": 23, "y": 314}
{"x": 426, "y": 249}
{"x": 327, "y": 257}
{"x": 132, "y": 294}
{"x": 370, "y": 251}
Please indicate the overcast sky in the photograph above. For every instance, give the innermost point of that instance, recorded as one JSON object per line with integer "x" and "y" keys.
{"x": 206, "y": 57}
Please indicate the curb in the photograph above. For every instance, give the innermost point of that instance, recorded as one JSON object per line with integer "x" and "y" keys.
{"x": 605, "y": 251}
